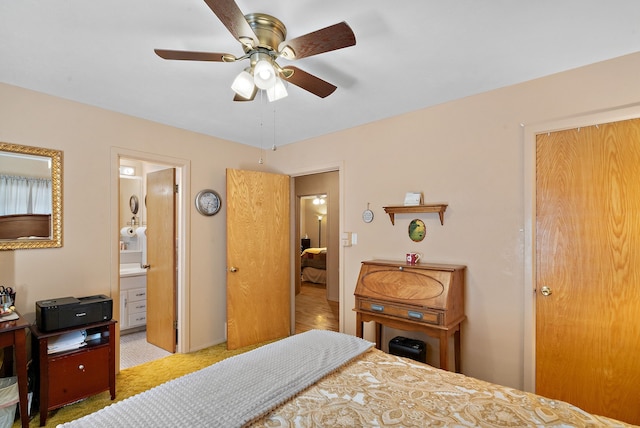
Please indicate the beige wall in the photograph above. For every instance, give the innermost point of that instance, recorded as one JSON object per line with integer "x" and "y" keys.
{"x": 468, "y": 153}
{"x": 83, "y": 266}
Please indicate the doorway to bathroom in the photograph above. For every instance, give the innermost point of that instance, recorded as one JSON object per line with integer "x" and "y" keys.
{"x": 143, "y": 268}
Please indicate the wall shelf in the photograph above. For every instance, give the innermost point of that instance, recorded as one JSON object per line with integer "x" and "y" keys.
{"x": 409, "y": 209}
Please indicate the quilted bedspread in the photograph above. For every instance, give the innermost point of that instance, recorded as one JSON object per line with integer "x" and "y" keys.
{"x": 234, "y": 391}
{"x": 378, "y": 390}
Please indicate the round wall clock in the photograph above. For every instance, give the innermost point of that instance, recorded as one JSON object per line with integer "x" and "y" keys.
{"x": 208, "y": 202}
{"x": 134, "y": 204}
{"x": 367, "y": 215}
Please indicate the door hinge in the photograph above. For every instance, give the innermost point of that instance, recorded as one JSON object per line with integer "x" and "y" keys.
{"x": 175, "y": 325}
{"x": 177, "y": 190}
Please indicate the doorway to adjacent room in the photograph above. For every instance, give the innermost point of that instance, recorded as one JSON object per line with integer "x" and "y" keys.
{"x": 317, "y": 288}
{"x": 134, "y": 314}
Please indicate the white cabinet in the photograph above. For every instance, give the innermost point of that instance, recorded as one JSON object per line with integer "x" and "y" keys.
{"x": 133, "y": 301}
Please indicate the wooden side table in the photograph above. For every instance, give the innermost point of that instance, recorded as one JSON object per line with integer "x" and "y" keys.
{"x": 68, "y": 376}
{"x": 13, "y": 334}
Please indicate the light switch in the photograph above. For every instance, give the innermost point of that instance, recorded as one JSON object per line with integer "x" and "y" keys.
{"x": 346, "y": 239}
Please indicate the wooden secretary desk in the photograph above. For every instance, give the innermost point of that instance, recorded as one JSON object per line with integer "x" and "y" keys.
{"x": 424, "y": 297}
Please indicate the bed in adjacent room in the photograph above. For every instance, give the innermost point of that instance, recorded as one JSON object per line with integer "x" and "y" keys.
{"x": 324, "y": 378}
{"x": 313, "y": 265}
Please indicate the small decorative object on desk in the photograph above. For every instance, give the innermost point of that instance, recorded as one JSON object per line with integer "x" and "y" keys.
{"x": 412, "y": 258}
{"x": 7, "y": 298}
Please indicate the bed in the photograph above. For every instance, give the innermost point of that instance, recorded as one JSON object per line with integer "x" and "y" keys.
{"x": 25, "y": 226}
{"x": 329, "y": 379}
{"x": 313, "y": 265}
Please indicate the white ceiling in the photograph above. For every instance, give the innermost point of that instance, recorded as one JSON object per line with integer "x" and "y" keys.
{"x": 409, "y": 55}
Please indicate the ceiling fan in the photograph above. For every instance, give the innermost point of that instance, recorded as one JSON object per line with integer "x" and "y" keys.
{"x": 263, "y": 39}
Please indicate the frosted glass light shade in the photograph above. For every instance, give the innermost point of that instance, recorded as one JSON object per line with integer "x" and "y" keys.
{"x": 277, "y": 91}
{"x": 243, "y": 85}
{"x": 264, "y": 75}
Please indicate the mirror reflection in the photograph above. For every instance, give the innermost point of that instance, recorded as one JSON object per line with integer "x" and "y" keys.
{"x": 30, "y": 197}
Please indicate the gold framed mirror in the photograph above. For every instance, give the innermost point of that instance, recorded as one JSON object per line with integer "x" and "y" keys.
{"x": 30, "y": 197}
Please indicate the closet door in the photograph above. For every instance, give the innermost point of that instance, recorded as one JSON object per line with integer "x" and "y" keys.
{"x": 588, "y": 268}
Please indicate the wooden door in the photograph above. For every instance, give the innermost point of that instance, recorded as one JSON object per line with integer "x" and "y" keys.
{"x": 258, "y": 257}
{"x": 161, "y": 257}
{"x": 588, "y": 255}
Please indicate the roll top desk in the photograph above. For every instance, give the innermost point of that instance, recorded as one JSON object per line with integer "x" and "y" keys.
{"x": 424, "y": 297}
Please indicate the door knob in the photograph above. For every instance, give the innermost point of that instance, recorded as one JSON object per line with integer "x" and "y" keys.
{"x": 546, "y": 291}
{"x": 233, "y": 269}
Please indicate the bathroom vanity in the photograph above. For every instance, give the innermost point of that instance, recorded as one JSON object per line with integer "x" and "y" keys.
{"x": 133, "y": 296}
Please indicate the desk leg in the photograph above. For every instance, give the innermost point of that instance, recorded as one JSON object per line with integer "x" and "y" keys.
{"x": 456, "y": 349}
{"x": 359, "y": 327}
{"x": 444, "y": 351}
{"x": 21, "y": 368}
{"x": 378, "y": 328}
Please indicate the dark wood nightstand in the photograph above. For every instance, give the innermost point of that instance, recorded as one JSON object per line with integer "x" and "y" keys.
{"x": 69, "y": 376}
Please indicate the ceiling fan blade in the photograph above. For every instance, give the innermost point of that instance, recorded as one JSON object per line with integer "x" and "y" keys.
{"x": 331, "y": 38}
{"x": 309, "y": 82}
{"x": 232, "y": 17}
{"x": 194, "y": 56}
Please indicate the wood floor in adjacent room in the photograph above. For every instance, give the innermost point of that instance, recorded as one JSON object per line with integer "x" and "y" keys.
{"x": 313, "y": 310}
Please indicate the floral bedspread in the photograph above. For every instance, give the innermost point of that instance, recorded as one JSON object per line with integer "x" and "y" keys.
{"x": 378, "y": 389}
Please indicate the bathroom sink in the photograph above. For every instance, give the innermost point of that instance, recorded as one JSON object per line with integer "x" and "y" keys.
{"x": 131, "y": 269}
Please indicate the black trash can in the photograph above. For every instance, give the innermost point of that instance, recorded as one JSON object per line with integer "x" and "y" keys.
{"x": 409, "y": 348}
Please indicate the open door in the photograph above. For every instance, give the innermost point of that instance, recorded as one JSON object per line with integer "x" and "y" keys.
{"x": 161, "y": 258}
{"x": 258, "y": 257}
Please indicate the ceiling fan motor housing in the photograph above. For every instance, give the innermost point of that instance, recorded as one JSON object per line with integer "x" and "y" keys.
{"x": 269, "y": 30}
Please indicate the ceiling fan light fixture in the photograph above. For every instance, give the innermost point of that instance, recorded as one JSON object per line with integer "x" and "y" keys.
{"x": 243, "y": 85}
{"x": 277, "y": 91}
{"x": 264, "y": 75}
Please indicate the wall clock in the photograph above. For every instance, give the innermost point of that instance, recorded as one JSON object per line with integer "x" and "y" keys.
{"x": 208, "y": 202}
{"x": 367, "y": 215}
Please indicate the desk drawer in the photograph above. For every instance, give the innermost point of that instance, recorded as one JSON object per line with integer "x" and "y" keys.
{"x": 391, "y": 309}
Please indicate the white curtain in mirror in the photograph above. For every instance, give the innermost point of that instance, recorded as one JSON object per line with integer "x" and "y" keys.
{"x": 24, "y": 195}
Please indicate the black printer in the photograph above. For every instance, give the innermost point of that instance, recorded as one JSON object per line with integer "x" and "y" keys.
{"x": 68, "y": 312}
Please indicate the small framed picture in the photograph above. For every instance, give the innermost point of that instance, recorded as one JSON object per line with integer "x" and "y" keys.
{"x": 417, "y": 230}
